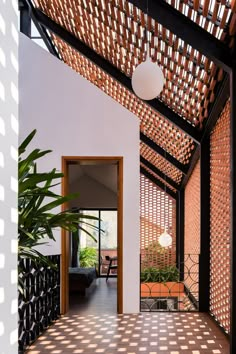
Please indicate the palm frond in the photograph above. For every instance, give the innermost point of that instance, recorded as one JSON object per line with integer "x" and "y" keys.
{"x": 37, "y": 203}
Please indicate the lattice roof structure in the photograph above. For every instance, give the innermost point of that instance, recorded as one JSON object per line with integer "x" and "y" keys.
{"x": 216, "y": 17}
{"x": 191, "y": 40}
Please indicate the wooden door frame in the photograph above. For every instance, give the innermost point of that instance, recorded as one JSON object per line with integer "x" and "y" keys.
{"x": 66, "y": 161}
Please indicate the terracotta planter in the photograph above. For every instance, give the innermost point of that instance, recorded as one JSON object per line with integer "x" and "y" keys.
{"x": 161, "y": 289}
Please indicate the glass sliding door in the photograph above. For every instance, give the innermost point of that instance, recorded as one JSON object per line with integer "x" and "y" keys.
{"x": 108, "y": 239}
{"x": 88, "y": 249}
{"x": 92, "y": 253}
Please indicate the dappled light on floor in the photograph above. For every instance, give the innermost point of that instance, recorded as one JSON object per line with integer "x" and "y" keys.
{"x": 149, "y": 333}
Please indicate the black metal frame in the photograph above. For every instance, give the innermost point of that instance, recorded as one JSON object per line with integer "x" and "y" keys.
{"x": 27, "y": 12}
{"x": 40, "y": 18}
{"x": 222, "y": 94}
{"x": 188, "y": 272}
{"x": 216, "y": 51}
{"x": 191, "y": 297}
{"x": 188, "y": 30}
{"x": 39, "y": 304}
{"x": 194, "y": 160}
{"x": 158, "y": 183}
{"x": 204, "y": 259}
{"x": 25, "y": 19}
{"x": 157, "y": 105}
{"x": 99, "y": 236}
{"x": 149, "y": 142}
{"x": 159, "y": 173}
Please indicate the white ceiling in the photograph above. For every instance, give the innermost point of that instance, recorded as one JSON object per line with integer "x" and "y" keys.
{"x": 105, "y": 174}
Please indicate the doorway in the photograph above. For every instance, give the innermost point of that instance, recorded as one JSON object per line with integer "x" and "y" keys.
{"x": 67, "y": 161}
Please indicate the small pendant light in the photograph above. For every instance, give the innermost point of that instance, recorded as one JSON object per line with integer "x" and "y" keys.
{"x": 147, "y": 79}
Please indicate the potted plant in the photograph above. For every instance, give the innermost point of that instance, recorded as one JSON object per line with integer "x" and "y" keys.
{"x": 36, "y": 206}
{"x": 158, "y": 278}
{"x": 160, "y": 282}
{"x": 88, "y": 257}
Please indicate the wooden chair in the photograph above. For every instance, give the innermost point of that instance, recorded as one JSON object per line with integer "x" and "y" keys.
{"x": 112, "y": 265}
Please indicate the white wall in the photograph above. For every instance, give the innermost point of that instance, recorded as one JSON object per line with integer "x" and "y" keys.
{"x": 8, "y": 175}
{"x": 74, "y": 118}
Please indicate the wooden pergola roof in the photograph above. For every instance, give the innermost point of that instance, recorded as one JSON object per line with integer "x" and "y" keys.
{"x": 192, "y": 41}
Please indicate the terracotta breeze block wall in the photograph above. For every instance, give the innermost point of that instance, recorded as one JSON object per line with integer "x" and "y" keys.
{"x": 220, "y": 220}
{"x": 192, "y": 230}
{"x": 192, "y": 213}
{"x": 157, "y": 209}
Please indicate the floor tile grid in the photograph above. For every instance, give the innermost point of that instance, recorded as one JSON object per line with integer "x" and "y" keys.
{"x": 133, "y": 334}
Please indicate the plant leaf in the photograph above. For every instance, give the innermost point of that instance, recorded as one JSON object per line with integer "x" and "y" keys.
{"x": 26, "y": 142}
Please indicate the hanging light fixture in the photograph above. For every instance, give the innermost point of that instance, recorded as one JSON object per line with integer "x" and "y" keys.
{"x": 147, "y": 79}
{"x": 165, "y": 239}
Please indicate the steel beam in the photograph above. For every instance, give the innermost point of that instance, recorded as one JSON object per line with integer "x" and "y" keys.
{"x": 180, "y": 166}
{"x": 25, "y": 19}
{"x": 158, "y": 183}
{"x": 189, "y": 31}
{"x": 221, "y": 96}
{"x": 159, "y": 172}
{"x": 42, "y": 31}
{"x": 194, "y": 160}
{"x": 115, "y": 73}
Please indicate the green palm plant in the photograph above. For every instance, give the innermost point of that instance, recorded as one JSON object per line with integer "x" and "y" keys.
{"x": 36, "y": 206}
{"x": 88, "y": 257}
{"x": 160, "y": 275}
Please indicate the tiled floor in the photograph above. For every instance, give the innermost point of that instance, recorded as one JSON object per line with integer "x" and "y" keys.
{"x": 101, "y": 298}
{"x": 150, "y": 333}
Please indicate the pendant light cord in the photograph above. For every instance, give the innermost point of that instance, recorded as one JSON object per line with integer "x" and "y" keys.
{"x": 148, "y": 48}
{"x": 165, "y": 191}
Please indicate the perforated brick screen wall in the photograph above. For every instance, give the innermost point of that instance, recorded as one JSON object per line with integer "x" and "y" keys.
{"x": 220, "y": 220}
{"x": 192, "y": 230}
{"x": 157, "y": 209}
{"x": 116, "y": 30}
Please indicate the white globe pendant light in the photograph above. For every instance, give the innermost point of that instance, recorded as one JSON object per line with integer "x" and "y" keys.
{"x": 147, "y": 79}
{"x": 165, "y": 239}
